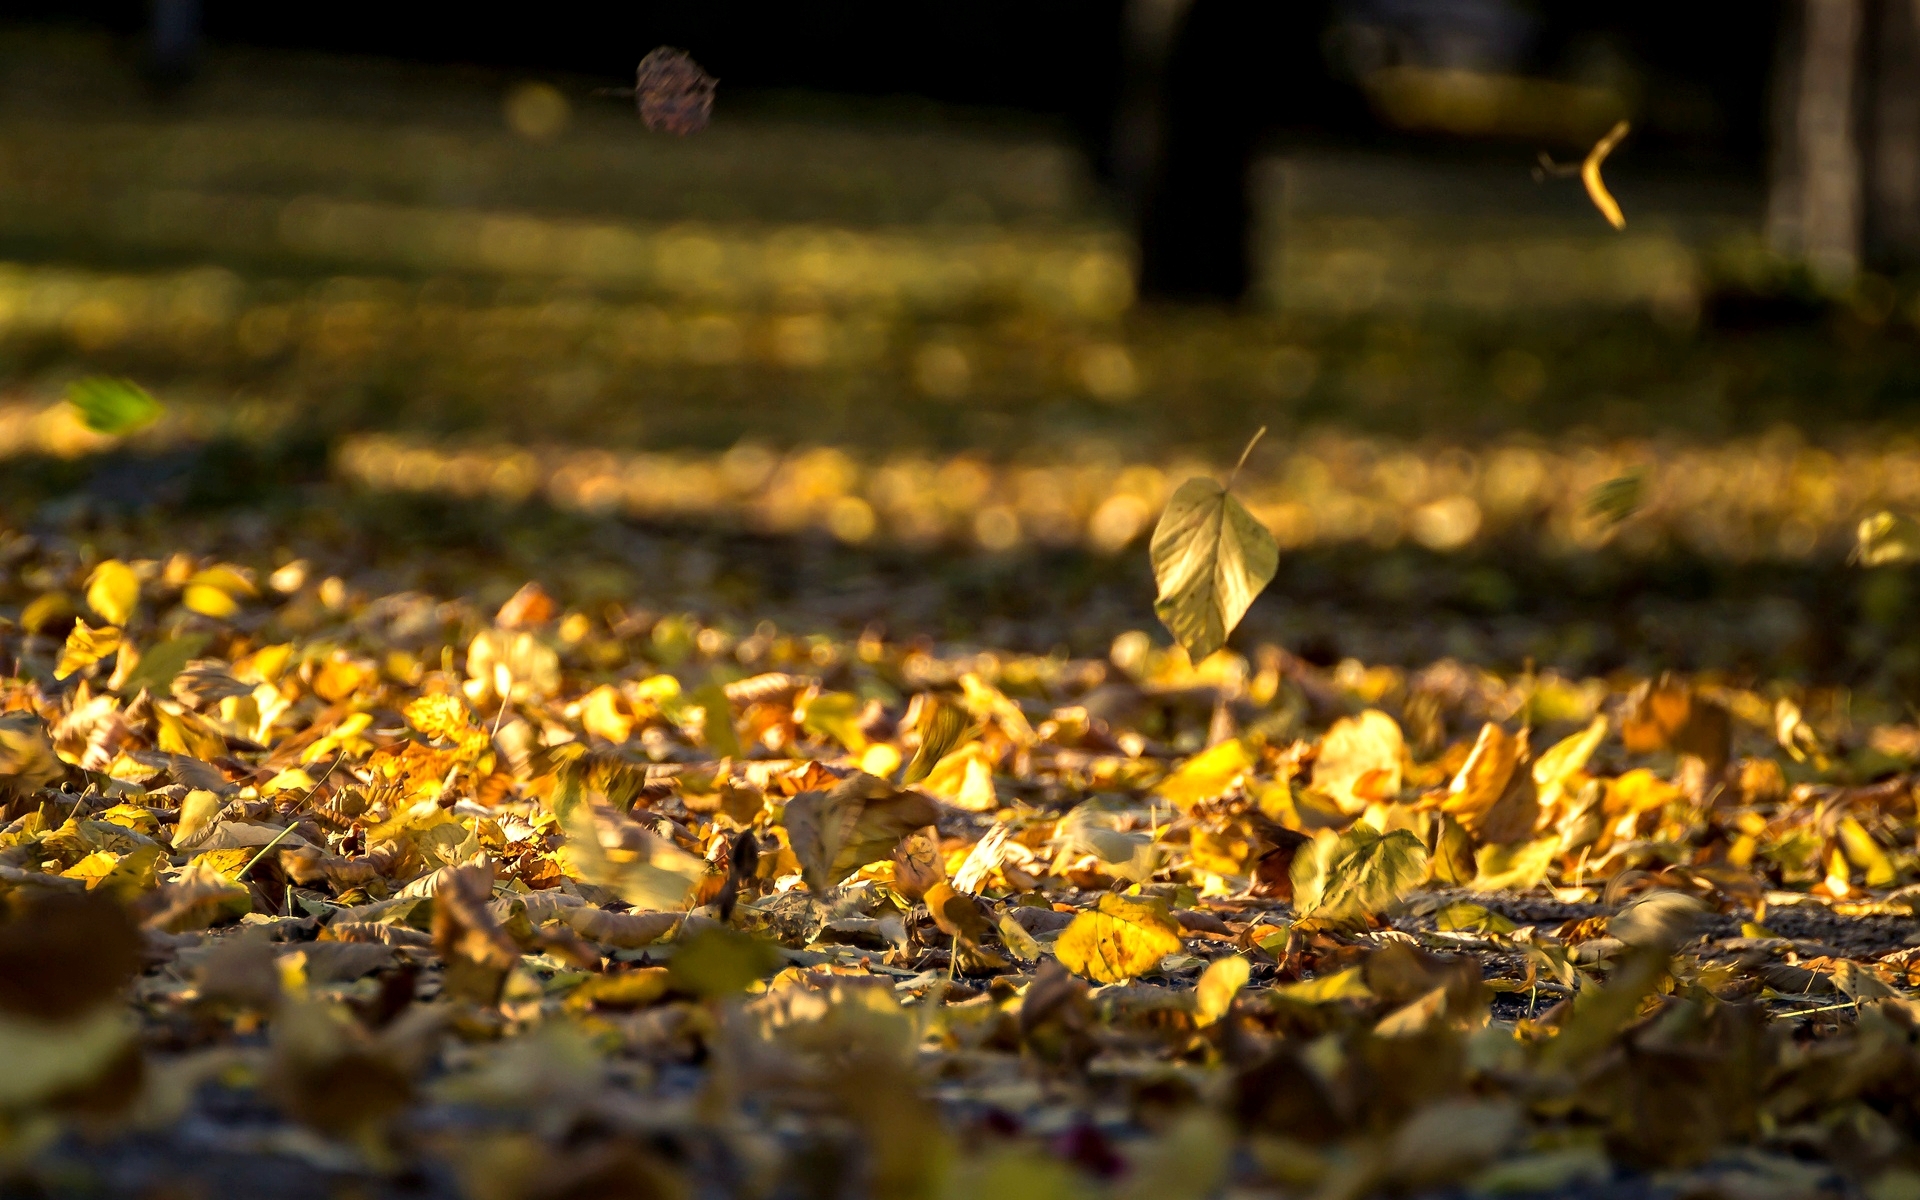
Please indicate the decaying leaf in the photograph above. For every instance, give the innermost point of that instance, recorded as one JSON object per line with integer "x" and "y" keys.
{"x": 859, "y": 820}
{"x": 674, "y": 95}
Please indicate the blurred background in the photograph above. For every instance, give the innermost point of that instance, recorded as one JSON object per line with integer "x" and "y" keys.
{"x": 920, "y": 332}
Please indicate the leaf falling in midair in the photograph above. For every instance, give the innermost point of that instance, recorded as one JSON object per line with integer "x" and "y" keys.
{"x": 673, "y": 93}
{"x": 1617, "y": 499}
{"x": 1211, "y": 558}
{"x": 1596, "y": 187}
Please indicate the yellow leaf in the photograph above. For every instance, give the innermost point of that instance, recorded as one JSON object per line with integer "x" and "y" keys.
{"x": 716, "y": 722}
{"x": 198, "y": 811}
{"x": 965, "y": 779}
{"x": 1885, "y": 538}
{"x": 1359, "y": 760}
{"x": 1211, "y": 558}
{"x": 988, "y": 703}
{"x": 835, "y": 715}
{"x": 1207, "y": 774}
{"x": 264, "y": 665}
{"x": 183, "y": 733}
{"x": 1350, "y": 984}
{"x": 345, "y": 736}
{"x": 1866, "y": 854}
{"x": 1464, "y": 916}
{"x": 1514, "y": 867}
{"x": 629, "y": 989}
{"x": 1590, "y": 176}
{"x": 880, "y": 759}
{"x": 1491, "y": 797}
{"x": 44, "y": 611}
{"x": 209, "y": 601}
{"x": 605, "y": 713}
{"x": 444, "y": 715}
{"x": 1120, "y": 939}
{"x": 1568, "y": 755}
{"x": 113, "y": 592}
{"x": 1021, "y": 944}
{"x": 1218, "y": 985}
{"x": 941, "y": 728}
{"x": 225, "y": 578}
{"x": 86, "y": 647}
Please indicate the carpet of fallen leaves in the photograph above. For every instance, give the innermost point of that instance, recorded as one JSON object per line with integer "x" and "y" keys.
{"x": 305, "y": 888}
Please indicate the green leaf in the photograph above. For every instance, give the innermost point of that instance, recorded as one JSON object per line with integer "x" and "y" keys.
{"x": 1210, "y": 558}
{"x": 113, "y": 406}
{"x": 716, "y": 961}
{"x": 160, "y": 663}
{"x": 717, "y": 720}
{"x": 1617, "y": 499}
{"x": 1361, "y": 871}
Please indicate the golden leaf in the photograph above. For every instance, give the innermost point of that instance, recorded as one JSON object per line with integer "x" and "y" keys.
{"x": 1359, "y": 760}
{"x": 858, "y": 821}
{"x": 1207, "y": 774}
{"x": 1120, "y": 939}
{"x": 1219, "y": 983}
{"x": 86, "y": 647}
{"x": 441, "y": 716}
{"x": 1211, "y": 558}
{"x": 113, "y": 592}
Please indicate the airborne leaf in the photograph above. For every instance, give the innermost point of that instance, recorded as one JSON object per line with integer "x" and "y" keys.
{"x": 114, "y": 407}
{"x": 1362, "y": 871}
{"x": 1210, "y": 559}
{"x": 113, "y": 591}
{"x": 1886, "y": 538}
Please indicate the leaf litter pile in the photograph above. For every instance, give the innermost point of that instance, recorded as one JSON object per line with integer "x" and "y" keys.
{"x": 302, "y": 888}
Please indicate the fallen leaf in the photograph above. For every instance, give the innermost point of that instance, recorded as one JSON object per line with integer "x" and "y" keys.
{"x": 1345, "y": 876}
{"x": 1359, "y": 760}
{"x": 858, "y": 821}
{"x": 1117, "y": 940}
{"x": 1219, "y": 983}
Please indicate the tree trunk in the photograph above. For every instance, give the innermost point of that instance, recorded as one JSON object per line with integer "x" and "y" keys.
{"x": 1891, "y": 231}
{"x": 1814, "y": 210}
{"x": 1845, "y": 188}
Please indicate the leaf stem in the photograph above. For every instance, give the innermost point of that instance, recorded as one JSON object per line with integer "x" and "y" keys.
{"x": 1251, "y": 443}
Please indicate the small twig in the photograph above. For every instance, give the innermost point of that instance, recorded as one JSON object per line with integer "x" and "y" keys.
{"x": 1807, "y": 1012}
{"x": 263, "y": 853}
{"x": 1251, "y": 443}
